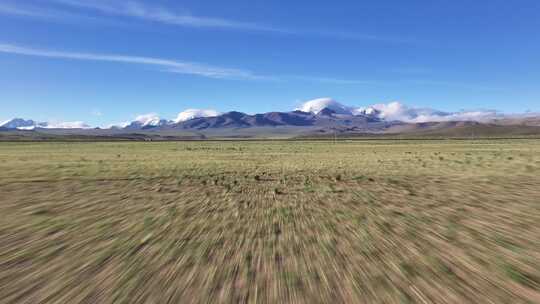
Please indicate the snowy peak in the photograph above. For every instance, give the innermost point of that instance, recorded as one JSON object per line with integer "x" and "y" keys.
{"x": 147, "y": 121}
{"x": 195, "y": 113}
{"x": 396, "y": 111}
{"x": 317, "y": 105}
{"x": 313, "y": 112}
{"x": 22, "y": 124}
{"x": 153, "y": 120}
{"x": 29, "y": 124}
{"x": 368, "y": 111}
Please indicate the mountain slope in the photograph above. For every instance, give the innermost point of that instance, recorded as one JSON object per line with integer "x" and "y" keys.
{"x": 324, "y": 118}
{"x": 20, "y": 123}
{"x": 466, "y": 129}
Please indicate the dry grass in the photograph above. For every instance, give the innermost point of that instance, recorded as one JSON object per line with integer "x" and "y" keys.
{"x": 270, "y": 222}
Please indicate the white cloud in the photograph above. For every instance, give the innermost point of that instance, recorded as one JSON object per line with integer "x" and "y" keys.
{"x": 28, "y": 128}
{"x": 150, "y": 119}
{"x": 119, "y": 125}
{"x": 37, "y": 12}
{"x": 195, "y": 113}
{"x": 396, "y": 111}
{"x": 67, "y": 125}
{"x": 171, "y": 65}
{"x": 400, "y": 112}
{"x": 317, "y": 105}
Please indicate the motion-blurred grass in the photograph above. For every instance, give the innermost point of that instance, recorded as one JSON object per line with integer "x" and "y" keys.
{"x": 270, "y": 222}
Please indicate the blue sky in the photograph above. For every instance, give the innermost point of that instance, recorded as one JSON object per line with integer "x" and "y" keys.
{"x": 108, "y": 61}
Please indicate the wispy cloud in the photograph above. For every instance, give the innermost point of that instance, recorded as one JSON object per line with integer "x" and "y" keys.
{"x": 159, "y": 14}
{"x": 217, "y": 72}
{"x": 165, "y": 64}
{"x": 67, "y": 125}
{"x": 137, "y": 10}
{"x": 48, "y": 14}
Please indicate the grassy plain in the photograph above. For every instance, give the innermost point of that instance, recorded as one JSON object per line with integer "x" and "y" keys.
{"x": 270, "y": 222}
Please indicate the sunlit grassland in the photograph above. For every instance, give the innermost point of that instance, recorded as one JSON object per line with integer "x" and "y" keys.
{"x": 376, "y": 221}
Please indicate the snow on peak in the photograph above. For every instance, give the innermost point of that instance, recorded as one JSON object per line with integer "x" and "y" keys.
{"x": 317, "y": 105}
{"x": 150, "y": 119}
{"x": 19, "y": 123}
{"x": 195, "y": 113}
{"x": 396, "y": 111}
{"x": 22, "y": 124}
{"x": 367, "y": 111}
{"x": 399, "y": 112}
{"x": 392, "y": 111}
{"x": 119, "y": 125}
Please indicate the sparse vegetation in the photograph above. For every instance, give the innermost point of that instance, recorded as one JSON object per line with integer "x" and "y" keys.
{"x": 270, "y": 222}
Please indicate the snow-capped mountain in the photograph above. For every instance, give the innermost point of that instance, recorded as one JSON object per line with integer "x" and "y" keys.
{"x": 29, "y": 124}
{"x": 316, "y": 112}
{"x": 147, "y": 121}
{"x": 368, "y": 111}
{"x": 195, "y": 113}
{"x": 22, "y": 124}
{"x": 317, "y": 105}
{"x": 153, "y": 120}
{"x": 396, "y": 111}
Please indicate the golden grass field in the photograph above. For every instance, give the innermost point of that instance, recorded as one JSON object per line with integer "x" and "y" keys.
{"x": 271, "y": 222}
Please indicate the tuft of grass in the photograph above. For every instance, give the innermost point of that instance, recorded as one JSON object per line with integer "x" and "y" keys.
{"x": 521, "y": 277}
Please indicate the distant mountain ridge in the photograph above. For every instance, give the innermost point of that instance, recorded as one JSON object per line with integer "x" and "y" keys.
{"x": 22, "y": 124}
{"x": 29, "y": 124}
{"x": 322, "y": 115}
{"x": 324, "y": 118}
{"x": 136, "y": 125}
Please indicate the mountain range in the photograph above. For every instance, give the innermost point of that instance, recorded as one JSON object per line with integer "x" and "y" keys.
{"x": 314, "y": 118}
{"x": 29, "y": 124}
